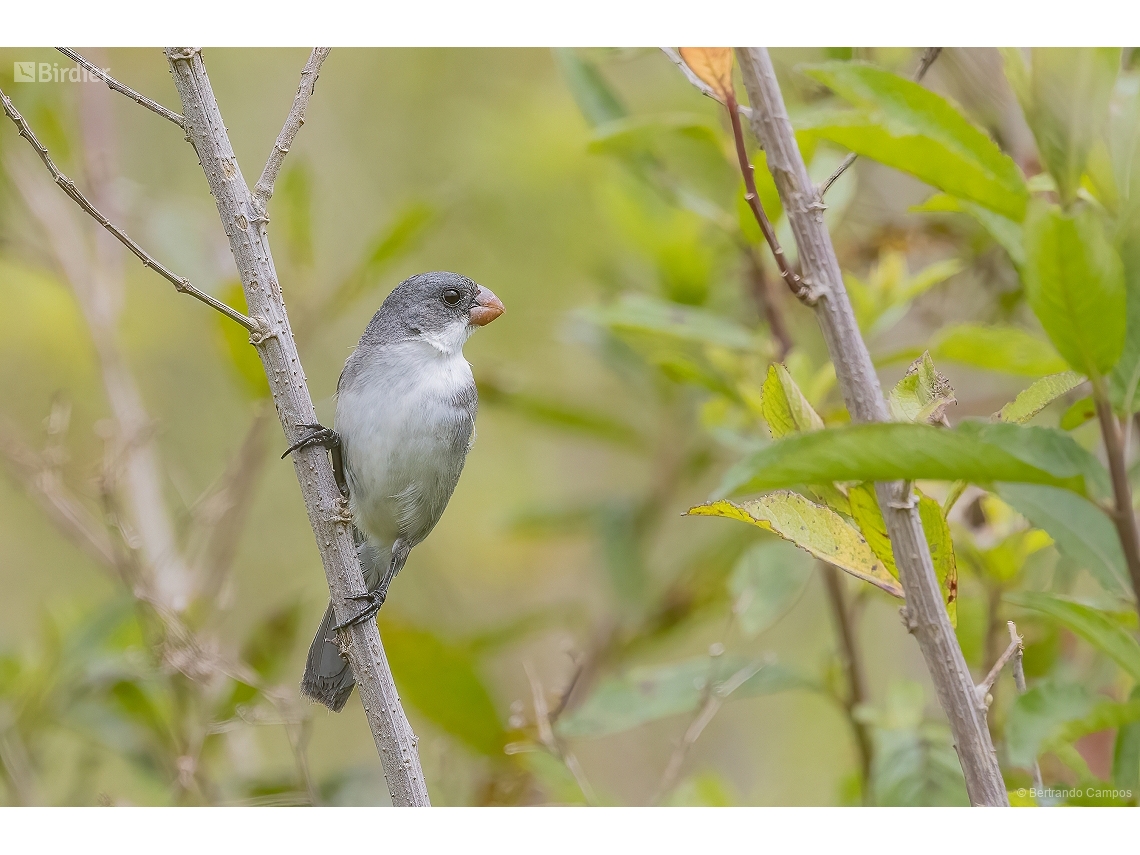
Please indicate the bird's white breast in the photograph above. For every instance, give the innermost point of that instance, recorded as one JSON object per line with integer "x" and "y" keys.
{"x": 396, "y": 422}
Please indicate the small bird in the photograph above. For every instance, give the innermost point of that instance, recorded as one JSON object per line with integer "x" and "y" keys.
{"x": 405, "y": 420}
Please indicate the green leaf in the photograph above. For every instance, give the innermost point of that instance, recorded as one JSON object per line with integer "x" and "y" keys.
{"x": 1079, "y": 412}
{"x": 559, "y": 414}
{"x": 593, "y": 95}
{"x": 973, "y": 451}
{"x": 1065, "y": 94}
{"x": 1079, "y": 529}
{"x": 814, "y": 528}
{"x": 1040, "y": 394}
{"x": 1074, "y": 281}
{"x": 1125, "y": 378}
{"x": 785, "y": 408}
{"x": 1005, "y": 232}
{"x": 653, "y": 692}
{"x": 902, "y": 124}
{"x": 1039, "y": 713}
{"x": 640, "y": 315}
{"x": 922, "y": 395}
{"x": 767, "y": 580}
{"x": 441, "y": 680}
{"x": 234, "y": 338}
{"x": 1126, "y": 752}
{"x": 1104, "y": 715}
{"x": 868, "y": 516}
{"x": 1093, "y": 625}
{"x": 1008, "y": 349}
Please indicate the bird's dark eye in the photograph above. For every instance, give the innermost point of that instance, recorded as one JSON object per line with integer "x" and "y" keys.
{"x": 451, "y": 296}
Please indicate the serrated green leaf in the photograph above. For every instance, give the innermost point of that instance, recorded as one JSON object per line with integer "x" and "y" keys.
{"x": 1074, "y": 281}
{"x": 904, "y": 125}
{"x": 785, "y": 408}
{"x": 814, "y": 528}
{"x": 1091, "y": 624}
{"x": 1040, "y": 394}
{"x": 1079, "y": 529}
{"x": 767, "y": 580}
{"x": 868, "y": 516}
{"x": 649, "y": 693}
{"x": 922, "y": 395}
{"x": 442, "y": 682}
{"x": 972, "y": 451}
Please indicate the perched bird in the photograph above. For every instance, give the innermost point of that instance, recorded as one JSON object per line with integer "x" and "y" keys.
{"x": 405, "y": 420}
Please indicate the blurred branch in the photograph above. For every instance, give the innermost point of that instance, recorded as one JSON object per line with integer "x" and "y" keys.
{"x": 245, "y": 227}
{"x": 180, "y": 283}
{"x": 928, "y": 57}
{"x": 116, "y": 86}
{"x": 1015, "y": 647}
{"x": 62, "y": 507}
{"x": 851, "y": 655}
{"x": 1123, "y": 515}
{"x": 551, "y": 742}
{"x": 766, "y": 302}
{"x": 263, "y": 190}
{"x": 925, "y": 613}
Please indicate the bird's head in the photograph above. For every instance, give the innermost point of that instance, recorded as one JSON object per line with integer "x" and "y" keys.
{"x": 442, "y": 308}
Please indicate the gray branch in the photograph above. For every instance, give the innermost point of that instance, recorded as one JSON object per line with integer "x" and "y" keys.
{"x": 263, "y": 190}
{"x": 925, "y": 612}
{"x": 246, "y": 229}
{"x": 115, "y": 86}
{"x": 180, "y": 283}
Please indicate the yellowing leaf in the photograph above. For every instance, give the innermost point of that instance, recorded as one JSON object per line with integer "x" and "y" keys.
{"x": 1029, "y": 402}
{"x": 712, "y": 65}
{"x": 814, "y": 528}
{"x": 784, "y": 406}
{"x": 867, "y": 515}
{"x": 922, "y": 395}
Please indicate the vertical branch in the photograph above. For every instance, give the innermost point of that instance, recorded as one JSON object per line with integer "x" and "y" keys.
{"x": 852, "y": 658}
{"x": 245, "y": 225}
{"x": 1123, "y": 515}
{"x": 924, "y": 612}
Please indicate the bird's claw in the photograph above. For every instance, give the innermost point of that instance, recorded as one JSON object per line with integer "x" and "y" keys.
{"x": 328, "y": 439}
{"x": 375, "y": 601}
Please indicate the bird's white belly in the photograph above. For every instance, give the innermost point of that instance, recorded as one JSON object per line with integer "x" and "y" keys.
{"x": 396, "y": 426}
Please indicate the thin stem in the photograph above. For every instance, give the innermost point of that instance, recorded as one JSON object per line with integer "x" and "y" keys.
{"x": 1123, "y": 516}
{"x": 928, "y": 57}
{"x": 116, "y": 86}
{"x": 852, "y": 658}
{"x": 263, "y": 190}
{"x": 1019, "y": 683}
{"x": 766, "y": 303}
{"x": 180, "y": 283}
{"x": 753, "y": 200}
{"x": 1015, "y": 646}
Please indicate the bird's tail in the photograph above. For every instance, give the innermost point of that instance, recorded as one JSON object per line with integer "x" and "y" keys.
{"x": 328, "y": 677}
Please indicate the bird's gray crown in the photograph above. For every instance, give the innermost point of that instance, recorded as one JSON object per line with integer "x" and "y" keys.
{"x": 424, "y": 303}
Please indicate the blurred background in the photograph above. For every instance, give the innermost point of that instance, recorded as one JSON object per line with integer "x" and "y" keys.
{"x": 565, "y": 635}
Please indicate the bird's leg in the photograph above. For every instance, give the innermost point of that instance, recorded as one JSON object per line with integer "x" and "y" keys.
{"x": 328, "y": 439}
{"x": 376, "y": 597}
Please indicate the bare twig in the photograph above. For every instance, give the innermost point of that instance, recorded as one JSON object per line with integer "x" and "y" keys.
{"x": 551, "y": 742}
{"x": 1019, "y": 682}
{"x": 116, "y": 86}
{"x": 752, "y": 197}
{"x": 852, "y": 658}
{"x": 180, "y": 283}
{"x": 928, "y": 57}
{"x": 263, "y": 190}
{"x": 925, "y": 611}
{"x": 1015, "y": 647}
{"x": 245, "y": 227}
{"x": 1123, "y": 516}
